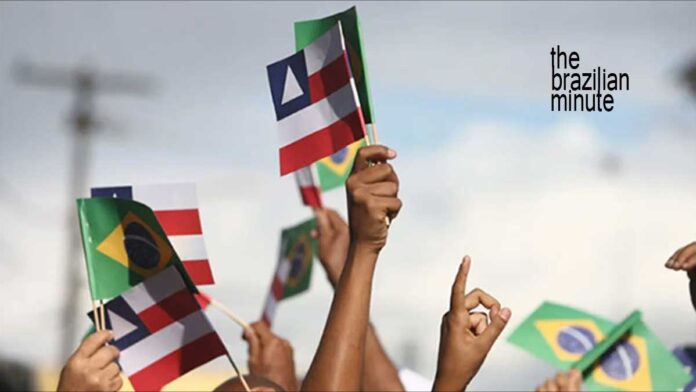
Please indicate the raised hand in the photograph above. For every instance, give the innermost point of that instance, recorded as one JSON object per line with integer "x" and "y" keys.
{"x": 372, "y": 192}
{"x": 563, "y": 382}
{"x": 93, "y": 366}
{"x": 372, "y": 197}
{"x": 333, "y": 238}
{"x": 684, "y": 259}
{"x": 466, "y": 337}
{"x": 270, "y": 356}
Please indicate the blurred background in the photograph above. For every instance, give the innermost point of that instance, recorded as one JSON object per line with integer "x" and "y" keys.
{"x": 577, "y": 208}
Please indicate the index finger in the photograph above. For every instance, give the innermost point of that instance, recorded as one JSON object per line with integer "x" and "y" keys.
{"x": 94, "y": 342}
{"x": 459, "y": 286}
{"x": 375, "y": 153}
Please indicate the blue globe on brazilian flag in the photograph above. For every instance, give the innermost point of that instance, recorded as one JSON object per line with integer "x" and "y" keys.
{"x": 612, "y": 357}
{"x": 335, "y": 169}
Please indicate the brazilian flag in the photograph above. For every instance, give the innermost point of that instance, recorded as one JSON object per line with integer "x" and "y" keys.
{"x": 124, "y": 244}
{"x": 333, "y": 171}
{"x": 298, "y": 249}
{"x": 309, "y": 30}
{"x": 612, "y": 357}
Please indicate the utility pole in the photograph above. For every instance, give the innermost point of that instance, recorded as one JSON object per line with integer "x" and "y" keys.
{"x": 85, "y": 83}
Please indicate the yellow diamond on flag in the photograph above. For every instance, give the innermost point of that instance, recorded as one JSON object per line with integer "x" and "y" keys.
{"x": 135, "y": 245}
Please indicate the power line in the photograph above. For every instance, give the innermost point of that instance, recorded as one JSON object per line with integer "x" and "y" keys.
{"x": 85, "y": 83}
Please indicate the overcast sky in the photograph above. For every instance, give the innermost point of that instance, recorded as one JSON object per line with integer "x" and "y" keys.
{"x": 575, "y": 208}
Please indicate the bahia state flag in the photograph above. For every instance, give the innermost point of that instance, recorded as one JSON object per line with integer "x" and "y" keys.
{"x": 294, "y": 269}
{"x": 124, "y": 244}
{"x": 617, "y": 357}
{"x": 176, "y": 208}
{"x": 333, "y": 171}
{"x": 309, "y": 191}
{"x": 160, "y": 330}
{"x": 316, "y": 103}
{"x": 308, "y": 30}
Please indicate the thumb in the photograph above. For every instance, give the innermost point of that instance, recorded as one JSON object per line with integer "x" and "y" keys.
{"x": 495, "y": 328}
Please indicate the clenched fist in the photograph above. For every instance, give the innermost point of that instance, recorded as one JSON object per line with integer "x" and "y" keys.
{"x": 466, "y": 337}
{"x": 93, "y": 366}
{"x": 372, "y": 190}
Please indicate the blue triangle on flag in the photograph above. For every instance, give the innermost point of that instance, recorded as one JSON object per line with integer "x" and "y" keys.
{"x": 125, "y": 324}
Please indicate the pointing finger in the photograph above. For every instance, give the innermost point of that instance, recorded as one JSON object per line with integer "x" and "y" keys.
{"x": 459, "y": 286}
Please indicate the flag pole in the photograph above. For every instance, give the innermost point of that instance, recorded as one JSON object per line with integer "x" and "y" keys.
{"x": 239, "y": 374}
{"x": 373, "y": 129}
{"x": 101, "y": 311}
{"x": 229, "y": 313}
{"x": 97, "y": 324}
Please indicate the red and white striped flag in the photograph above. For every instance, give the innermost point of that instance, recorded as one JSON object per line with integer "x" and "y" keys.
{"x": 176, "y": 208}
{"x": 161, "y": 331}
{"x": 316, "y": 102}
{"x": 309, "y": 191}
{"x": 276, "y": 292}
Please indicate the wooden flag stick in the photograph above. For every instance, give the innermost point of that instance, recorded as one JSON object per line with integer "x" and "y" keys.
{"x": 102, "y": 315}
{"x": 229, "y": 313}
{"x": 239, "y": 374}
{"x": 97, "y": 325}
{"x": 373, "y": 128}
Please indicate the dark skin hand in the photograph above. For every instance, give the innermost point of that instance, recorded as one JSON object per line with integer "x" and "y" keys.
{"x": 372, "y": 195}
{"x": 684, "y": 259}
{"x": 333, "y": 237}
{"x": 93, "y": 366}
{"x": 466, "y": 337}
{"x": 270, "y": 356}
{"x": 563, "y": 382}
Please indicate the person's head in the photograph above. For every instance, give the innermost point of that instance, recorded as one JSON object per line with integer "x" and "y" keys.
{"x": 256, "y": 383}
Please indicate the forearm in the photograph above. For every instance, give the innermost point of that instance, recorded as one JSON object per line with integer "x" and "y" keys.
{"x": 380, "y": 373}
{"x": 338, "y": 362}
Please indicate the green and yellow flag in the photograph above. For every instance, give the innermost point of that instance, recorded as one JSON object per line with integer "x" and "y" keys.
{"x": 333, "y": 171}
{"x": 309, "y": 30}
{"x": 124, "y": 244}
{"x": 299, "y": 249}
{"x": 617, "y": 357}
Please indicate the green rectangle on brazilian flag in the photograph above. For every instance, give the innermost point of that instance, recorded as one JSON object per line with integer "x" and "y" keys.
{"x": 124, "y": 244}
{"x": 562, "y": 336}
{"x": 298, "y": 248}
{"x": 333, "y": 171}
{"x": 309, "y": 30}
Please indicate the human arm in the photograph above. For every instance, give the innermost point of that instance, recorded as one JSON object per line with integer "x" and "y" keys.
{"x": 372, "y": 196}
